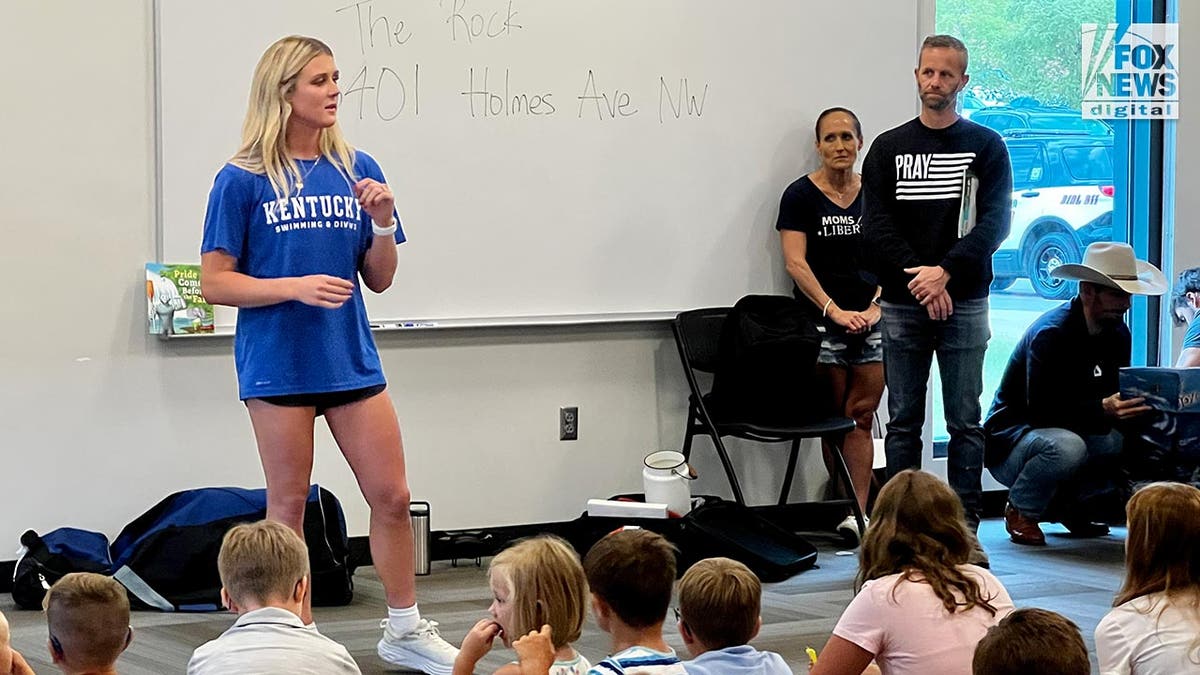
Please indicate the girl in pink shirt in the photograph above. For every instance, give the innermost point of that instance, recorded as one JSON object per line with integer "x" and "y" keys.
{"x": 920, "y": 607}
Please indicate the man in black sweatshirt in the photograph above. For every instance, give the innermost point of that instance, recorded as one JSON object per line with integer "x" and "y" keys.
{"x": 936, "y": 206}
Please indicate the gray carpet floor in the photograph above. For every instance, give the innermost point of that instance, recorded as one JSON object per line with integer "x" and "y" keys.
{"x": 1076, "y": 577}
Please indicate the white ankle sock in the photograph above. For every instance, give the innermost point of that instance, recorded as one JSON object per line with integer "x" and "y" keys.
{"x": 403, "y": 621}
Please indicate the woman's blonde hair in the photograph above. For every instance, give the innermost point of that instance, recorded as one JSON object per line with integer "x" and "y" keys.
{"x": 546, "y": 585}
{"x": 1162, "y": 548}
{"x": 918, "y": 531}
{"x": 264, "y": 143}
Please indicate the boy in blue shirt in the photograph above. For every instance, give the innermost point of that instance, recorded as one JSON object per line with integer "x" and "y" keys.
{"x": 719, "y": 601}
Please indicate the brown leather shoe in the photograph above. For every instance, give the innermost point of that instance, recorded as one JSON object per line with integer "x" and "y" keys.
{"x": 1022, "y": 530}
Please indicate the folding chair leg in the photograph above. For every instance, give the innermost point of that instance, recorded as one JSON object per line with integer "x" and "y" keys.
{"x": 844, "y": 473}
{"x": 688, "y": 433}
{"x": 733, "y": 481}
{"x": 791, "y": 471}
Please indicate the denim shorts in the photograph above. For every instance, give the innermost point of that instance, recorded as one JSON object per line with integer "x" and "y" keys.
{"x": 839, "y": 348}
{"x": 324, "y": 400}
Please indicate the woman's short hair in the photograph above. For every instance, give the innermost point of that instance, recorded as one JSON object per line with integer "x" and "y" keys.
{"x": 261, "y": 562}
{"x": 720, "y": 601}
{"x": 918, "y": 530}
{"x": 546, "y": 585}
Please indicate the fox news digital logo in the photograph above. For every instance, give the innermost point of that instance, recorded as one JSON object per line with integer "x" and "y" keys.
{"x": 1131, "y": 73}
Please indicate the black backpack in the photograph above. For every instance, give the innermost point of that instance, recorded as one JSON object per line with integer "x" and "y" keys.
{"x": 44, "y": 559}
{"x": 766, "y": 363}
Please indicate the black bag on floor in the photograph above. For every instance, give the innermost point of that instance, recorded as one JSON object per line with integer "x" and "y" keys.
{"x": 47, "y": 558}
{"x": 730, "y": 530}
{"x": 714, "y": 528}
{"x": 167, "y": 557}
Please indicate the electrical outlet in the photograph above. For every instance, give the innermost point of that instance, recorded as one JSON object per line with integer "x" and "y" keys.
{"x": 568, "y": 423}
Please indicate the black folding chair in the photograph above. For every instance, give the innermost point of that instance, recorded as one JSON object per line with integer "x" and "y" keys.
{"x": 697, "y": 335}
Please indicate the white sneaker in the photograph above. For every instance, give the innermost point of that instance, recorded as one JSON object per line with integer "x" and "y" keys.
{"x": 423, "y": 649}
{"x": 848, "y": 529}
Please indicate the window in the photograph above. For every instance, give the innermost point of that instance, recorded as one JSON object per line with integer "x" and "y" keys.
{"x": 998, "y": 121}
{"x": 1069, "y": 123}
{"x": 1089, "y": 164}
{"x": 1028, "y": 167}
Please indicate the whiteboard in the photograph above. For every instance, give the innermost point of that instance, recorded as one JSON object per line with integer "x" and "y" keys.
{"x": 550, "y": 157}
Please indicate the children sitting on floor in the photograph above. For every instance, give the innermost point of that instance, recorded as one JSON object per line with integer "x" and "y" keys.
{"x": 264, "y": 577}
{"x": 88, "y": 619}
{"x": 631, "y": 573}
{"x": 535, "y": 582}
{"x": 719, "y": 605}
{"x": 1032, "y": 642}
{"x": 920, "y": 607}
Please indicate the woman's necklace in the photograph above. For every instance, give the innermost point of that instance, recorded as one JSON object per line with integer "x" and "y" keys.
{"x": 841, "y": 194}
{"x": 300, "y": 183}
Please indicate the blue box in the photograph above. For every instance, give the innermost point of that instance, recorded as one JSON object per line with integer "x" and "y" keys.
{"x": 1174, "y": 393}
{"x": 1166, "y": 389}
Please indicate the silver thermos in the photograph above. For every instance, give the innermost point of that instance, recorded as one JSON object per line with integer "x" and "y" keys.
{"x": 419, "y": 514}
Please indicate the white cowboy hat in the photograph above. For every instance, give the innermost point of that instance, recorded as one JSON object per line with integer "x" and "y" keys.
{"x": 1113, "y": 265}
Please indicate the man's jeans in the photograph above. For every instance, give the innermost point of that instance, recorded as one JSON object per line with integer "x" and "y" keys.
{"x": 910, "y": 339}
{"x": 1042, "y": 459}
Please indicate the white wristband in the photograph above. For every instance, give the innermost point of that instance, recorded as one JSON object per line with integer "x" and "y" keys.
{"x": 384, "y": 231}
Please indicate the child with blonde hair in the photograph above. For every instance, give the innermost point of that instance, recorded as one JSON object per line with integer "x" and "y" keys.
{"x": 264, "y": 578}
{"x": 88, "y": 619}
{"x": 719, "y": 605}
{"x": 536, "y": 582}
{"x": 1154, "y": 627}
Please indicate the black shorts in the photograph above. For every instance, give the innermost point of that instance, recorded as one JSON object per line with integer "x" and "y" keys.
{"x": 324, "y": 400}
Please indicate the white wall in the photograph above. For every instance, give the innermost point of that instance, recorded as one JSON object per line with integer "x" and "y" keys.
{"x": 99, "y": 421}
{"x": 1187, "y": 167}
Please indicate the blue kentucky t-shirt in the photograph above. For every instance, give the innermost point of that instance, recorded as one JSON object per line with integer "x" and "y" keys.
{"x": 291, "y": 347}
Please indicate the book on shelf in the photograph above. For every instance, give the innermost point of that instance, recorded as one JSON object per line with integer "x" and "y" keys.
{"x": 174, "y": 303}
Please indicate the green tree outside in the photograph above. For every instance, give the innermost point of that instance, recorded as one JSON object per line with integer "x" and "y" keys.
{"x": 1024, "y": 47}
